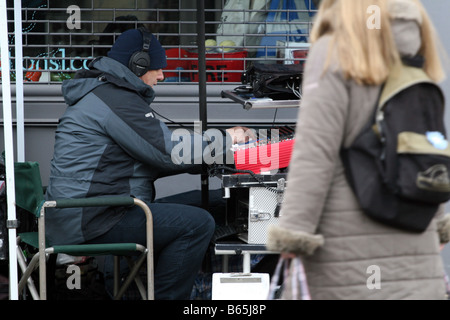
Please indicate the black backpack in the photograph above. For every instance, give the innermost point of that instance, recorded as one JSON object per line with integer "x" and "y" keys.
{"x": 275, "y": 81}
{"x": 398, "y": 166}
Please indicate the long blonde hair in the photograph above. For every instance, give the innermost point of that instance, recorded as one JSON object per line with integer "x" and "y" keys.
{"x": 368, "y": 54}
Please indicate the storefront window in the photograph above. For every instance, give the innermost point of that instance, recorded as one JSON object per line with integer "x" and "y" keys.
{"x": 61, "y": 37}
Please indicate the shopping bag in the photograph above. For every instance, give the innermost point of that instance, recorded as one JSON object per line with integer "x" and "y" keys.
{"x": 289, "y": 281}
{"x": 238, "y": 22}
{"x": 284, "y": 24}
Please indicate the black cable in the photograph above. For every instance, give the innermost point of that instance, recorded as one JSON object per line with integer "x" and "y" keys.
{"x": 274, "y": 118}
{"x": 183, "y": 126}
{"x": 171, "y": 121}
{"x": 214, "y": 171}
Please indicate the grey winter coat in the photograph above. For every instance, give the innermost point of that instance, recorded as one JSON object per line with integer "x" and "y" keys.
{"x": 108, "y": 142}
{"x": 320, "y": 218}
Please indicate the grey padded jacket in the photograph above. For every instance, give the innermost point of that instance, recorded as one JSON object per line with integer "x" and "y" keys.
{"x": 108, "y": 142}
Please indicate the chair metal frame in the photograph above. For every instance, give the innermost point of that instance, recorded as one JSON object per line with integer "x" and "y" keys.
{"x": 39, "y": 259}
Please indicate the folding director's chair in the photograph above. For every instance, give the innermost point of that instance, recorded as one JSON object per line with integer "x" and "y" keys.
{"x": 30, "y": 196}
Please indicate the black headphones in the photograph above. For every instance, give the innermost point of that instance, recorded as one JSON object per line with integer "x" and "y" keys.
{"x": 140, "y": 61}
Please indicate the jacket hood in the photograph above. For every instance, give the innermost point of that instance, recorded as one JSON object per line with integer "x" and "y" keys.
{"x": 101, "y": 71}
{"x": 406, "y": 21}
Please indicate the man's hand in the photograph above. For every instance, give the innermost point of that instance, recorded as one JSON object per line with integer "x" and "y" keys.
{"x": 241, "y": 134}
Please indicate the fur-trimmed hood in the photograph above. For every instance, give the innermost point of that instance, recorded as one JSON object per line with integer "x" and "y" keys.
{"x": 404, "y": 9}
{"x": 406, "y": 21}
{"x": 443, "y": 226}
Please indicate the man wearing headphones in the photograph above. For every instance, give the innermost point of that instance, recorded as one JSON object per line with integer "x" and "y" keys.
{"x": 108, "y": 142}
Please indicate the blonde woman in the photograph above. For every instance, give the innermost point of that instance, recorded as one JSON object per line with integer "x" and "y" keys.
{"x": 346, "y": 254}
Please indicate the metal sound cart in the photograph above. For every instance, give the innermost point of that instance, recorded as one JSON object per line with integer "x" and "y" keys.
{"x": 253, "y": 203}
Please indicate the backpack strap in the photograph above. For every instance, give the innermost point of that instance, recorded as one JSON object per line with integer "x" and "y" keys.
{"x": 402, "y": 76}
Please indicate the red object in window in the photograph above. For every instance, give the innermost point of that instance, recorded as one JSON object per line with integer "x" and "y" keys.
{"x": 33, "y": 76}
{"x": 176, "y": 60}
{"x": 220, "y": 67}
{"x": 300, "y": 54}
{"x": 30, "y": 75}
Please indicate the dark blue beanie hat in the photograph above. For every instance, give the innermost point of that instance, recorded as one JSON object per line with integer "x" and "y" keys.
{"x": 132, "y": 41}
